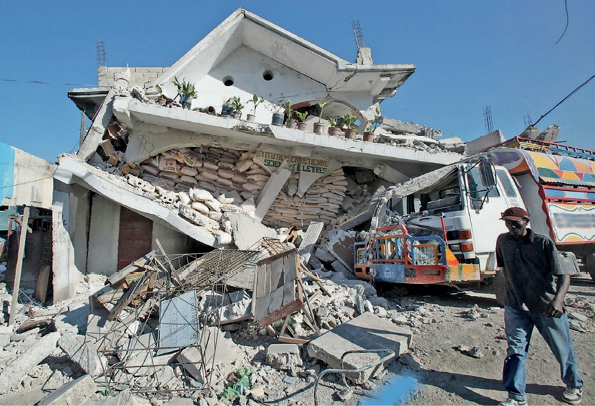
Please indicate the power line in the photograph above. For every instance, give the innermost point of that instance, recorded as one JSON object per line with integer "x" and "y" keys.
{"x": 564, "y": 99}
{"x": 40, "y": 82}
{"x": 567, "y": 21}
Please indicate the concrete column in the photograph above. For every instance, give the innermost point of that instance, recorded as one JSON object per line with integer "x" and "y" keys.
{"x": 66, "y": 275}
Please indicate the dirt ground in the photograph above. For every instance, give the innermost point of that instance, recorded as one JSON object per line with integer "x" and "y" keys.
{"x": 447, "y": 325}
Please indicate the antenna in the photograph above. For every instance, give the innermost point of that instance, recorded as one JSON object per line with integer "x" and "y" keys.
{"x": 528, "y": 120}
{"x": 487, "y": 115}
{"x": 357, "y": 32}
{"x": 101, "y": 54}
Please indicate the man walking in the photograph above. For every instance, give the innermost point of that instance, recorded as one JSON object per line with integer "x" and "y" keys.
{"x": 535, "y": 289}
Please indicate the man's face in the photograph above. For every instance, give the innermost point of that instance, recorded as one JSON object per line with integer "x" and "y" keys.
{"x": 517, "y": 229}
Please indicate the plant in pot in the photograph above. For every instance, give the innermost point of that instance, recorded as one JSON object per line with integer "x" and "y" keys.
{"x": 349, "y": 122}
{"x": 318, "y": 127}
{"x": 277, "y": 115}
{"x": 162, "y": 99}
{"x": 291, "y": 122}
{"x": 256, "y": 101}
{"x": 301, "y": 115}
{"x": 236, "y": 106}
{"x": 186, "y": 91}
{"x": 333, "y": 129}
{"x": 369, "y": 133}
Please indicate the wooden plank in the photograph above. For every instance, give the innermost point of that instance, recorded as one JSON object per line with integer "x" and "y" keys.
{"x": 289, "y": 292}
{"x": 111, "y": 296}
{"x": 260, "y": 307}
{"x": 129, "y": 296}
{"x": 260, "y": 281}
{"x": 121, "y": 274}
{"x": 41, "y": 287}
{"x": 276, "y": 273}
{"x": 292, "y": 340}
{"x": 290, "y": 267}
{"x": 19, "y": 266}
{"x": 276, "y": 301}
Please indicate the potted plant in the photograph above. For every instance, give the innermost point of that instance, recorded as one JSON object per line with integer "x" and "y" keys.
{"x": 369, "y": 133}
{"x": 256, "y": 101}
{"x": 349, "y": 122}
{"x": 301, "y": 115}
{"x": 162, "y": 99}
{"x": 291, "y": 122}
{"x": 333, "y": 129}
{"x": 186, "y": 91}
{"x": 236, "y": 106}
{"x": 318, "y": 127}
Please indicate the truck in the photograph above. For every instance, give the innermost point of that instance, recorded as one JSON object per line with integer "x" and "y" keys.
{"x": 441, "y": 228}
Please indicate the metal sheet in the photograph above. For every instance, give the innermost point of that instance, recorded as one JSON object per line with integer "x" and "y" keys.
{"x": 178, "y": 322}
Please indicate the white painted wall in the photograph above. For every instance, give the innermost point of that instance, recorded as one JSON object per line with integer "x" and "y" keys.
{"x": 33, "y": 182}
{"x": 66, "y": 275}
{"x": 103, "y": 236}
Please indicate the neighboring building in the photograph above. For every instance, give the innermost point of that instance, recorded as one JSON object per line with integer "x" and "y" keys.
{"x": 279, "y": 176}
{"x": 26, "y": 180}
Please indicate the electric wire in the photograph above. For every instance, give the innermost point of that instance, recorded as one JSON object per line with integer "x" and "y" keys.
{"x": 41, "y": 82}
{"x": 567, "y": 21}
{"x": 564, "y": 99}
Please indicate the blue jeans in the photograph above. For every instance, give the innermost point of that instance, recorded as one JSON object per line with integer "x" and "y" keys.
{"x": 519, "y": 326}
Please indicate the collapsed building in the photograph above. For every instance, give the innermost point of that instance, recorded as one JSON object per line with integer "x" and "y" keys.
{"x": 176, "y": 172}
{"x": 198, "y": 203}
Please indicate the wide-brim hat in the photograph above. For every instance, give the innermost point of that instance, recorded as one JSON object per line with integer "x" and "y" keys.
{"x": 515, "y": 214}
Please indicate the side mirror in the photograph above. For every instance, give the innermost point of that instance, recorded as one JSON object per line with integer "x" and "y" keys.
{"x": 488, "y": 175}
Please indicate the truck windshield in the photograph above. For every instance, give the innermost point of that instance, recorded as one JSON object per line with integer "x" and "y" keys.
{"x": 509, "y": 188}
{"x": 477, "y": 189}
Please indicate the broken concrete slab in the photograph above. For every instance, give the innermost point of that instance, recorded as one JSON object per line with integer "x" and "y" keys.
{"x": 72, "y": 393}
{"x": 83, "y": 353}
{"x": 307, "y": 244}
{"x": 283, "y": 356}
{"x": 248, "y": 231}
{"x": 367, "y": 214}
{"x": 14, "y": 372}
{"x": 219, "y": 353}
{"x": 270, "y": 191}
{"x": 365, "y": 332}
{"x": 341, "y": 245}
{"x": 485, "y": 142}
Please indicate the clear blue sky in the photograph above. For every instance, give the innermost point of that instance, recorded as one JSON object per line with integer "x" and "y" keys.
{"x": 468, "y": 54}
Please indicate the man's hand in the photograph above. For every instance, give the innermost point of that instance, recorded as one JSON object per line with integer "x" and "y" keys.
{"x": 555, "y": 308}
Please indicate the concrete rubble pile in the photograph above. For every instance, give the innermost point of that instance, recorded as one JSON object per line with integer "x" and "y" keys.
{"x": 170, "y": 326}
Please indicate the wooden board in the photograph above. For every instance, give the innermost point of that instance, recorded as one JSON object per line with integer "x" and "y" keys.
{"x": 41, "y": 287}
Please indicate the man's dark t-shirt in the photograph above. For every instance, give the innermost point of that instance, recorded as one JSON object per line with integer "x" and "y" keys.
{"x": 530, "y": 266}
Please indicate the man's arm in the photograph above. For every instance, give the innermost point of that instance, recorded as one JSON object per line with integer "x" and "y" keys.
{"x": 556, "y": 307}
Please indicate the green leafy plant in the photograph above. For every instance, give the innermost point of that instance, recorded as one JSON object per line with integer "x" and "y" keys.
{"x": 321, "y": 105}
{"x": 256, "y": 101}
{"x": 377, "y": 115}
{"x": 332, "y": 121}
{"x": 186, "y": 90}
{"x": 287, "y": 106}
{"x": 349, "y": 121}
{"x": 239, "y": 385}
{"x": 235, "y": 103}
{"x": 301, "y": 115}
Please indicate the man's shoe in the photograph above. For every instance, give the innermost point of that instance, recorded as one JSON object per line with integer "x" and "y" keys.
{"x": 513, "y": 402}
{"x": 573, "y": 395}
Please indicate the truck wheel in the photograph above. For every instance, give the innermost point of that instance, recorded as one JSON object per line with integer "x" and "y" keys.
{"x": 500, "y": 287}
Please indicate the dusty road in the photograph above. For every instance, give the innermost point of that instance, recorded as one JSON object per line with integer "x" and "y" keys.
{"x": 451, "y": 376}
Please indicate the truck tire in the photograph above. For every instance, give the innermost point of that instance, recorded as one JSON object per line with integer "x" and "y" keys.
{"x": 500, "y": 287}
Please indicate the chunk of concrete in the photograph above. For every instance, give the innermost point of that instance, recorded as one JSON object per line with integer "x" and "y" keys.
{"x": 72, "y": 393}
{"x": 365, "y": 332}
{"x": 248, "y": 231}
{"x": 82, "y": 353}
{"x": 218, "y": 354}
{"x": 283, "y": 356}
{"x": 270, "y": 191}
{"x": 14, "y": 372}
